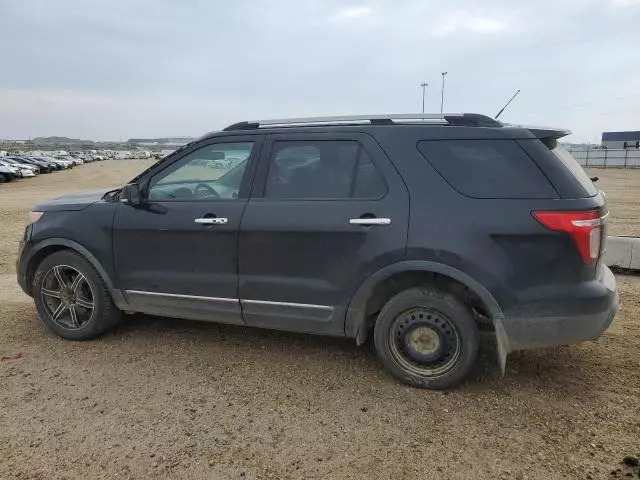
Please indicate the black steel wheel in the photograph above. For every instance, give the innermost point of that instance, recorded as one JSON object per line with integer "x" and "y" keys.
{"x": 71, "y": 297}
{"x": 427, "y": 338}
{"x": 424, "y": 341}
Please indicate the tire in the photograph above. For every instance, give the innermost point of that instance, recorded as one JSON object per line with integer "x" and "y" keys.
{"x": 55, "y": 304}
{"x": 2, "y": 178}
{"x": 427, "y": 338}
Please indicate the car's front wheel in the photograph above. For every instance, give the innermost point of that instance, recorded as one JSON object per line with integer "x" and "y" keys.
{"x": 71, "y": 298}
{"x": 427, "y": 338}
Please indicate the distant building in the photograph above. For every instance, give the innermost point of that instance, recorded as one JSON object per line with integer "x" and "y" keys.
{"x": 169, "y": 141}
{"x": 621, "y": 139}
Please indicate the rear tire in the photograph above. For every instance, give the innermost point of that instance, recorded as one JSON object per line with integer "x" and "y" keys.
{"x": 71, "y": 297}
{"x": 427, "y": 338}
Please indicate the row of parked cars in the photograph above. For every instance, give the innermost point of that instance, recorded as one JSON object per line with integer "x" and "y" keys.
{"x": 13, "y": 167}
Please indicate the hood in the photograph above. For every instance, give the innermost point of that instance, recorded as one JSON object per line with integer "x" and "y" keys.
{"x": 75, "y": 201}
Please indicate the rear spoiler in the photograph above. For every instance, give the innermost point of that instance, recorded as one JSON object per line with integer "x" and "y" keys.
{"x": 544, "y": 132}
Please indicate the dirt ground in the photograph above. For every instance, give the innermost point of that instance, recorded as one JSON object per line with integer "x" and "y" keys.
{"x": 621, "y": 188}
{"x": 163, "y": 398}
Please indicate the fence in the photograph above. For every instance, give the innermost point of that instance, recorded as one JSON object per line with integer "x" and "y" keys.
{"x": 629, "y": 158}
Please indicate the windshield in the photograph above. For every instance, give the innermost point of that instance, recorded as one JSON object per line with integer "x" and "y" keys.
{"x": 162, "y": 160}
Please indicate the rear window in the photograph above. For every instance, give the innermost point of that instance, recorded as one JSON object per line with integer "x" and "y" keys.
{"x": 487, "y": 168}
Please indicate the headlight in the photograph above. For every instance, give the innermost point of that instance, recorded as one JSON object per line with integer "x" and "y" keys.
{"x": 34, "y": 217}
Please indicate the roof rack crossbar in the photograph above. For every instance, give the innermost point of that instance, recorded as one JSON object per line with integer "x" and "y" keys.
{"x": 436, "y": 118}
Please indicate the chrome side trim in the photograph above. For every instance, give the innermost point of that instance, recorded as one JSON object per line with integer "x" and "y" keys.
{"x": 190, "y": 297}
{"x": 286, "y": 304}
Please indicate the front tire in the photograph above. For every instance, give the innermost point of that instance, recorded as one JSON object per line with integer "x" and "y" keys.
{"x": 71, "y": 298}
{"x": 427, "y": 338}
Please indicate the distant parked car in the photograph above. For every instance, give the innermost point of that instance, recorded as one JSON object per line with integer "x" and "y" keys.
{"x": 21, "y": 171}
{"x": 22, "y": 165}
{"x": 86, "y": 158}
{"x": 48, "y": 166}
{"x": 44, "y": 167}
{"x": 70, "y": 158}
{"x": 7, "y": 174}
{"x": 59, "y": 161}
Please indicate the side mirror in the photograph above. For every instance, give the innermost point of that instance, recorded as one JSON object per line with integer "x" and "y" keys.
{"x": 131, "y": 194}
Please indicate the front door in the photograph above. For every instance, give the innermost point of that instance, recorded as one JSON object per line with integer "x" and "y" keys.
{"x": 326, "y": 211}
{"x": 176, "y": 254}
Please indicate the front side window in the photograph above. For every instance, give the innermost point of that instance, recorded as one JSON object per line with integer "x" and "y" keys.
{"x": 210, "y": 173}
{"x": 322, "y": 170}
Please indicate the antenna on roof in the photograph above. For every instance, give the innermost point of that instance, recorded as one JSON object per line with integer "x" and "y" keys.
{"x": 507, "y": 104}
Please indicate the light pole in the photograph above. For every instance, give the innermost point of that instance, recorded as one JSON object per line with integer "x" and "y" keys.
{"x": 424, "y": 86}
{"x": 442, "y": 93}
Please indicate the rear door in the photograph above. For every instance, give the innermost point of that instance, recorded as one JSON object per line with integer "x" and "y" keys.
{"x": 326, "y": 211}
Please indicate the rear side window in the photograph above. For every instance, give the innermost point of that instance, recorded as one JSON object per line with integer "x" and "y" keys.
{"x": 322, "y": 169}
{"x": 487, "y": 168}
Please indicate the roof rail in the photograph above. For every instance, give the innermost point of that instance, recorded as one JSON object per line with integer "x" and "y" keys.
{"x": 462, "y": 119}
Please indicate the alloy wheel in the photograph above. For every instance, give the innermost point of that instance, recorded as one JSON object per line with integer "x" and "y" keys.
{"x": 67, "y": 297}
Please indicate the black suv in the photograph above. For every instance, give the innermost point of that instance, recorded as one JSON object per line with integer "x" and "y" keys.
{"x": 421, "y": 230}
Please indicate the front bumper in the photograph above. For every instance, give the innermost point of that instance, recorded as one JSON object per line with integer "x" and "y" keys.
{"x": 594, "y": 306}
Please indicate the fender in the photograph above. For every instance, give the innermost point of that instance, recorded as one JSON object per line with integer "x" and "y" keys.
{"x": 117, "y": 295}
{"x": 355, "y": 323}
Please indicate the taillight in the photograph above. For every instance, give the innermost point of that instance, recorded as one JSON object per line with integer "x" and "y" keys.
{"x": 585, "y": 228}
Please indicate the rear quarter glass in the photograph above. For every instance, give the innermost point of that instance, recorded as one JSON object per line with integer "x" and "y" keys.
{"x": 484, "y": 168}
{"x": 564, "y": 171}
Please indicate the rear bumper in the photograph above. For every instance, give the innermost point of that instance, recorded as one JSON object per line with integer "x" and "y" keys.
{"x": 584, "y": 314}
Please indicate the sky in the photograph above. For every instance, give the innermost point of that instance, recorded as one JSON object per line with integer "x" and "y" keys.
{"x": 116, "y": 69}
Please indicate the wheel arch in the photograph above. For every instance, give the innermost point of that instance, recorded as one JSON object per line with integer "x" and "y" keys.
{"x": 51, "y": 245}
{"x": 356, "y": 322}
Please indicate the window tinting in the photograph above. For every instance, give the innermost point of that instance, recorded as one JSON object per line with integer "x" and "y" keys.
{"x": 487, "y": 168}
{"x": 322, "y": 170}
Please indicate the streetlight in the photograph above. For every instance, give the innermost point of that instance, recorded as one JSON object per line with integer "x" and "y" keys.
{"x": 442, "y": 93}
{"x": 424, "y": 86}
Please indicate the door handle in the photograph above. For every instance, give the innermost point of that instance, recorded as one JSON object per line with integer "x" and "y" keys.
{"x": 211, "y": 221}
{"x": 370, "y": 221}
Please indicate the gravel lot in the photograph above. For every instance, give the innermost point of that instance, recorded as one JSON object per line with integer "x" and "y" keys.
{"x": 162, "y": 398}
{"x": 621, "y": 186}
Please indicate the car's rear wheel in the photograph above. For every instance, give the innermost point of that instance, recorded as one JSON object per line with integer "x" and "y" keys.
{"x": 71, "y": 298}
{"x": 2, "y": 178}
{"x": 427, "y": 338}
